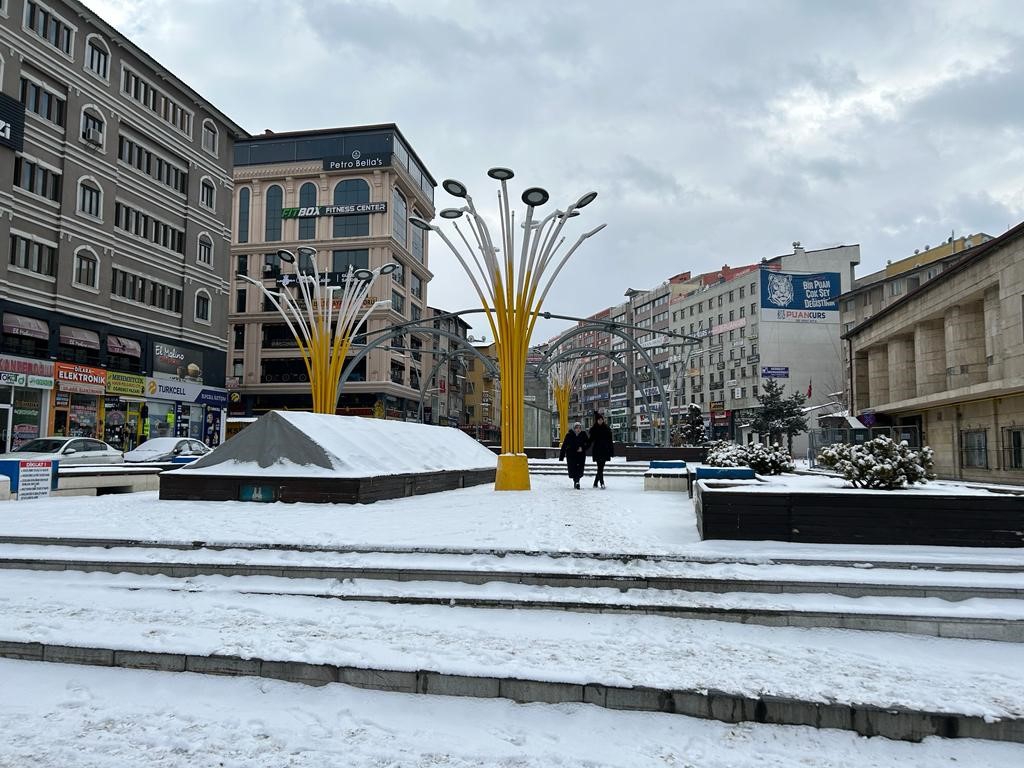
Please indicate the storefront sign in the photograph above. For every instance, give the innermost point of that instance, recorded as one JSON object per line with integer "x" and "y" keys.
{"x": 12, "y": 379}
{"x": 352, "y": 209}
{"x": 357, "y": 160}
{"x": 35, "y": 479}
{"x": 774, "y": 372}
{"x": 732, "y": 325}
{"x": 25, "y": 365}
{"x": 39, "y": 382}
{"x": 125, "y": 384}
{"x": 716, "y": 406}
{"x": 177, "y": 361}
{"x": 12, "y": 123}
{"x": 80, "y": 378}
{"x": 795, "y": 298}
{"x": 186, "y": 392}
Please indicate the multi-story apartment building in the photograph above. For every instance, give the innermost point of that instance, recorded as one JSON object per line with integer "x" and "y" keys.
{"x": 348, "y": 193}
{"x": 482, "y": 397}
{"x": 115, "y": 196}
{"x": 775, "y": 319}
{"x": 945, "y": 360}
{"x": 448, "y": 362}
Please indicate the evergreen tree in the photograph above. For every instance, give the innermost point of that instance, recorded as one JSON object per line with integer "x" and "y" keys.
{"x": 779, "y": 415}
{"x": 691, "y": 431}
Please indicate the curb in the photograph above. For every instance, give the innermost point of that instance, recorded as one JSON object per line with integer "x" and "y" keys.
{"x": 899, "y": 723}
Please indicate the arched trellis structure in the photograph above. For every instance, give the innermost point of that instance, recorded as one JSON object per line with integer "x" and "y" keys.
{"x": 612, "y": 355}
{"x": 617, "y": 330}
{"x": 489, "y": 364}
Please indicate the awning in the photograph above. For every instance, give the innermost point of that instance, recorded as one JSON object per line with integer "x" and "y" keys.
{"x": 19, "y": 325}
{"x": 79, "y": 337}
{"x": 119, "y": 345}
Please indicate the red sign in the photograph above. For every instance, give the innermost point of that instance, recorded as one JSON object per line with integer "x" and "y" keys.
{"x": 80, "y": 378}
{"x": 442, "y": 385}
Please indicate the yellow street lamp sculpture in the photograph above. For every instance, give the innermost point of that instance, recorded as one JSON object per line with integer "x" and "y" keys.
{"x": 325, "y": 321}
{"x": 511, "y": 294}
{"x": 564, "y": 376}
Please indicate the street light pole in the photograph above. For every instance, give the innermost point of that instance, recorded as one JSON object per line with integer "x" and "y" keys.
{"x": 323, "y": 331}
{"x": 511, "y": 294}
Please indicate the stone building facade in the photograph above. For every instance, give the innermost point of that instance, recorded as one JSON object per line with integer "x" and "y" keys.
{"x": 947, "y": 359}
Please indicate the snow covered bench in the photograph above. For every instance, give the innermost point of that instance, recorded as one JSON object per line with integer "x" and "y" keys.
{"x": 667, "y": 476}
{"x": 721, "y": 473}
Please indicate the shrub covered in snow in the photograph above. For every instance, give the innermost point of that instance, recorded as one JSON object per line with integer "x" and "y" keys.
{"x": 763, "y": 459}
{"x": 879, "y": 463}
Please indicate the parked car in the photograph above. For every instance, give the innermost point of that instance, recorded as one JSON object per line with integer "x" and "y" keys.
{"x": 177, "y": 449}
{"x": 70, "y": 451}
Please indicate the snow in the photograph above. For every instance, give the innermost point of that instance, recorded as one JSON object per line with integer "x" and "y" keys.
{"x": 817, "y": 483}
{"x": 106, "y": 718}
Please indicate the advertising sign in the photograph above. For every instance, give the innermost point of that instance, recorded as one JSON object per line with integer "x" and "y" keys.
{"x": 352, "y": 209}
{"x": 12, "y": 379}
{"x": 12, "y": 123}
{"x": 774, "y": 372}
{"x": 177, "y": 361}
{"x": 26, "y": 366}
{"x": 716, "y": 406}
{"x": 794, "y": 298}
{"x": 357, "y": 160}
{"x": 125, "y": 384}
{"x": 80, "y": 378}
{"x": 186, "y": 392}
{"x": 732, "y": 325}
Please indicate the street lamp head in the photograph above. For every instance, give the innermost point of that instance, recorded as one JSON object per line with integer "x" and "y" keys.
{"x": 586, "y": 200}
{"x": 387, "y": 269}
{"x": 286, "y": 255}
{"x": 501, "y": 174}
{"x": 305, "y": 250}
{"x": 454, "y": 188}
{"x": 569, "y": 215}
{"x": 419, "y": 223}
{"x": 363, "y": 274}
{"x": 535, "y": 196}
{"x": 451, "y": 213}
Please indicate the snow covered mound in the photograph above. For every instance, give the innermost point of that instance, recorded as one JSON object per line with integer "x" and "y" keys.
{"x": 294, "y": 444}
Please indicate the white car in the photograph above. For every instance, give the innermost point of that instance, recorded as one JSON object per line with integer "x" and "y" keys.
{"x": 176, "y": 449}
{"x": 70, "y": 451}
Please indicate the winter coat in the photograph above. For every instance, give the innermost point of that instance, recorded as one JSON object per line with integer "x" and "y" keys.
{"x": 574, "y": 451}
{"x": 602, "y": 445}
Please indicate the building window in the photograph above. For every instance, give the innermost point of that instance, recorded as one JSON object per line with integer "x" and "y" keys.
{"x": 203, "y": 307}
{"x": 358, "y": 258}
{"x": 34, "y": 256}
{"x": 416, "y": 287}
{"x": 49, "y": 26}
{"x": 92, "y": 127}
{"x": 398, "y": 302}
{"x": 243, "y": 216}
{"x": 207, "y": 194}
{"x": 417, "y": 237}
{"x": 140, "y": 90}
{"x": 895, "y": 287}
{"x": 128, "y": 285}
{"x": 37, "y": 179}
{"x": 415, "y": 313}
{"x": 307, "y": 199}
{"x": 274, "y": 202}
{"x": 85, "y": 268}
{"x": 142, "y": 158}
{"x": 399, "y": 216}
{"x": 974, "y": 448}
{"x": 1013, "y": 448}
{"x": 240, "y": 299}
{"x": 142, "y": 225}
{"x": 204, "y": 254}
{"x": 349, "y": 192}
{"x": 210, "y": 137}
{"x": 97, "y": 57}
{"x": 90, "y": 198}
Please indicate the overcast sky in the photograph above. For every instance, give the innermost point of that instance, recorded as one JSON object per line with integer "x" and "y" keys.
{"x": 715, "y": 133}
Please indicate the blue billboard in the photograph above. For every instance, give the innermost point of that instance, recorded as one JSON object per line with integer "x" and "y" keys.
{"x": 800, "y": 298}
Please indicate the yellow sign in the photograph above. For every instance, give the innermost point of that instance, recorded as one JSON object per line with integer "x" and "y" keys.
{"x": 378, "y": 410}
{"x": 125, "y": 384}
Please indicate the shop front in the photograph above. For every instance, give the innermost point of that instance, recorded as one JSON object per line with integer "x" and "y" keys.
{"x": 178, "y": 408}
{"x": 25, "y": 387}
{"x": 78, "y": 400}
{"x": 123, "y": 404}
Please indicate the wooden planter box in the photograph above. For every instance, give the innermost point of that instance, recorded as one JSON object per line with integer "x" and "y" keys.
{"x": 327, "y": 490}
{"x": 849, "y": 516}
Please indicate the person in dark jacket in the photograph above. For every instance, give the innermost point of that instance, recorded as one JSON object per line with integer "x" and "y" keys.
{"x": 574, "y": 451}
{"x": 602, "y": 447}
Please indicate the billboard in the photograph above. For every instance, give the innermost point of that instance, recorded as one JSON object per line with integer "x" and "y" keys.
{"x": 789, "y": 297}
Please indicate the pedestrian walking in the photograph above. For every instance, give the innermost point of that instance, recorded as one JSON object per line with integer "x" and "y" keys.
{"x": 602, "y": 447}
{"x": 574, "y": 452}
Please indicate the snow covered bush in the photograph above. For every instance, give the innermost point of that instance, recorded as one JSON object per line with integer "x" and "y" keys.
{"x": 879, "y": 463}
{"x": 763, "y": 459}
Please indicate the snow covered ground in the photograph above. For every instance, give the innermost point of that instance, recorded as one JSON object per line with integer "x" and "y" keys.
{"x": 83, "y": 717}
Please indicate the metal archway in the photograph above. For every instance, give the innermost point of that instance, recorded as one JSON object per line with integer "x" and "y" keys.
{"x": 596, "y": 352}
{"x": 612, "y": 329}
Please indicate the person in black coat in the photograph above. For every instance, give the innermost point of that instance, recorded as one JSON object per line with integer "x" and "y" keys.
{"x": 574, "y": 451}
{"x": 602, "y": 446}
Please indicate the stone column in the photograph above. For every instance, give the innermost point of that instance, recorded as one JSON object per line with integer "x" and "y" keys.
{"x": 993, "y": 334}
{"x": 930, "y": 357}
{"x": 965, "y": 345}
{"x": 878, "y": 375}
{"x": 902, "y": 374}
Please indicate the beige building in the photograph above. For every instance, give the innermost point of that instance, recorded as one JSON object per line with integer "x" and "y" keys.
{"x": 947, "y": 358}
{"x": 482, "y": 396}
{"x": 348, "y": 193}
